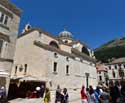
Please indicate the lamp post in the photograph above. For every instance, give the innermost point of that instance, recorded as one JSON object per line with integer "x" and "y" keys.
{"x": 87, "y": 77}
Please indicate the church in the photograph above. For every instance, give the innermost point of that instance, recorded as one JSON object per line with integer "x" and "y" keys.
{"x": 53, "y": 60}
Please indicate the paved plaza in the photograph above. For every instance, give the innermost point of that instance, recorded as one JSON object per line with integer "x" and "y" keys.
{"x": 73, "y": 95}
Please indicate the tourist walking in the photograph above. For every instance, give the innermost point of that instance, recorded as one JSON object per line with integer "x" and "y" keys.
{"x": 65, "y": 96}
{"x": 42, "y": 90}
{"x": 96, "y": 95}
{"x": 2, "y": 95}
{"x": 104, "y": 96}
{"x": 88, "y": 95}
{"x": 98, "y": 91}
{"x": 83, "y": 95}
{"x": 92, "y": 95}
{"x": 114, "y": 93}
{"x": 122, "y": 92}
{"x": 47, "y": 96}
{"x": 59, "y": 96}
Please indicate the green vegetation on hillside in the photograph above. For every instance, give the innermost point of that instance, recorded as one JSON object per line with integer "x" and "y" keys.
{"x": 112, "y": 49}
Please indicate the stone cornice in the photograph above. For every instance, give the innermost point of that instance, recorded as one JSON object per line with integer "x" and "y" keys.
{"x": 11, "y": 7}
{"x": 4, "y": 26}
{"x": 115, "y": 63}
{"x": 4, "y": 37}
{"x": 50, "y": 48}
{"x": 6, "y": 12}
{"x": 6, "y": 60}
{"x": 71, "y": 55}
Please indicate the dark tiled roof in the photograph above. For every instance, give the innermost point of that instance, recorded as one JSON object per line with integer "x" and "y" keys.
{"x": 11, "y": 7}
{"x": 73, "y": 55}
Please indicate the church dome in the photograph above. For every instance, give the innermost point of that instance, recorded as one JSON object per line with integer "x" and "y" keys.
{"x": 65, "y": 34}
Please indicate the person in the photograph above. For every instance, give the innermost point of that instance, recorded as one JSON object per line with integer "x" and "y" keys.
{"x": 98, "y": 91}
{"x": 38, "y": 91}
{"x": 65, "y": 96}
{"x": 32, "y": 94}
{"x": 2, "y": 94}
{"x": 114, "y": 93}
{"x": 59, "y": 96}
{"x": 47, "y": 96}
{"x": 83, "y": 95}
{"x": 104, "y": 96}
{"x": 96, "y": 95}
{"x": 92, "y": 95}
{"x": 88, "y": 95}
{"x": 122, "y": 92}
{"x": 118, "y": 85}
{"x": 42, "y": 90}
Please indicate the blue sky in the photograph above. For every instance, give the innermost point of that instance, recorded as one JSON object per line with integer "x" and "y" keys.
{"x": 92, "y": 21}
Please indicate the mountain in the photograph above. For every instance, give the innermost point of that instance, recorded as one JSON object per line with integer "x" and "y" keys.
{"x": 110, "y": 50}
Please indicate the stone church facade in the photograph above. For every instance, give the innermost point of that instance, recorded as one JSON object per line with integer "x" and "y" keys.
{"x": 9, "y": 23}
{"x": 60, "y": 60}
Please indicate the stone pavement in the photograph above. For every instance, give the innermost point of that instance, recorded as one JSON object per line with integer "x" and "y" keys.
{"x": 39, "y": 100}
{"x": 74, "y": 97}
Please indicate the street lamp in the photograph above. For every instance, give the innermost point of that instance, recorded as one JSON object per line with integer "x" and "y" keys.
{"x": 87, "y": 77}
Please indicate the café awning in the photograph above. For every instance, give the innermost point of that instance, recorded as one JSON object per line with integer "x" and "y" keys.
{"x": 4, "y": 74}
{"x": 32, "y": 78}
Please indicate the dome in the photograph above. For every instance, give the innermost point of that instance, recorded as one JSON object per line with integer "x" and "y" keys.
{"x": 65, "y": 34}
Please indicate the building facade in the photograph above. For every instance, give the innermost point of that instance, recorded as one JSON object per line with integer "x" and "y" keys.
{"x": 56, "y": 60}
{"x": 102, "y": 73}
{"x": 112, "y": 71}
{"x": 116, "y": 69}
{"x": 9, "y": 23}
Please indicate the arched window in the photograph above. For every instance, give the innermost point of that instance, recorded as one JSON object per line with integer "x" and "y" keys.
{"x": 54, "y": 44}
{"x": 121, "y": 73}
{"x": 85, "y": 50}
{"x": 113, "y": 73}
